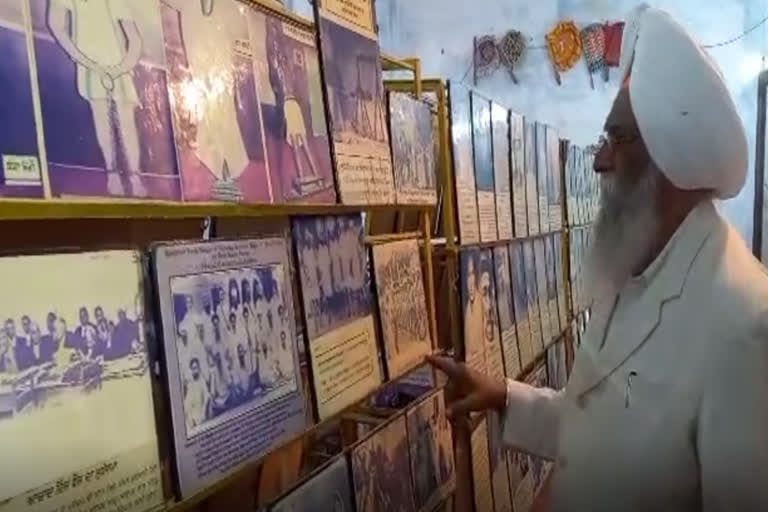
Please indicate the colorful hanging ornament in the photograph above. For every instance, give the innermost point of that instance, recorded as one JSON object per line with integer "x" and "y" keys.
{"x": 511, "y": 48}
{"x": 486, "y": 56}
{"x": 613, "y": 34}
{"x": 593, "y": 43}
{"x": 564, "y": 47}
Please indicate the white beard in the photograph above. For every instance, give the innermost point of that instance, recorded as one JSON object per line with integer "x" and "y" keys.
{"x": 623, "y": 234}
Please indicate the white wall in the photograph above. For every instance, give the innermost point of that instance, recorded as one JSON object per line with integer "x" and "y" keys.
{"x": 441, "y": 32}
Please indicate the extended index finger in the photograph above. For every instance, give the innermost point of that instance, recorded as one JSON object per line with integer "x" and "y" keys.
{"x": 446, "y": 365}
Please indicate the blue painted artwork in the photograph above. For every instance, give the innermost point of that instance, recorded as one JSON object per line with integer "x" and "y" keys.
{"x": 20, "y": 171}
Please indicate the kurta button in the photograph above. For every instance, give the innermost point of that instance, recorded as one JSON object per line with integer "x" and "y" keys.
{"x": 562, "y": 462}
{"x": 581, "y": 402}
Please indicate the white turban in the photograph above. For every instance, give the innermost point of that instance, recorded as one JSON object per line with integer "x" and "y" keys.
{"x": 684, "y": 111}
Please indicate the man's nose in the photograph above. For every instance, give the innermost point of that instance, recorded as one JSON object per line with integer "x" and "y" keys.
{"x": 603, "y": 159}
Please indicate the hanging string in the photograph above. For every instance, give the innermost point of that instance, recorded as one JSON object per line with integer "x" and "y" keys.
{"x": 706, "y": 46}
{"x": 733, "y": 40}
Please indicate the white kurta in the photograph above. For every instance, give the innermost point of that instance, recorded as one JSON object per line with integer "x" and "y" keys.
{"x": 669, "y": 414}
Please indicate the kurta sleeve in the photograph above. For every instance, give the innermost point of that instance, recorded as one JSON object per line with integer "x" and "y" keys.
{"x": 531, "y": 419}
{"x": 732, "y": 430}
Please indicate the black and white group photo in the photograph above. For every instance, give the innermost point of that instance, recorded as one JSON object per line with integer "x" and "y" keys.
{"x": 334, "y": 271}
{"x": 41, "y": 354}
{"x": 234, "y": 342}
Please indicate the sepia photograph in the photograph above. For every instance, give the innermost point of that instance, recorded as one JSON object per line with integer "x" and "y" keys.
{"x": 478, "y": 325}
{"x": 532, "y": 286}
{"x": 557, "y": 251}
{"x": 554, "y": 192}
{"x": 502, "y": 170}
{"x": 547, "y": 327}
{"x": 413, "y": 149}
{"x": 504, "y": 302}
{"x": 549, "y": 259}
{"x": 517, "y": 160}
{"x": 329, "y": 491}
{"x": 20, "y": 174}
{"x": 431, "y": 451}
{"x": 104, "y": 98}
{"x": 481, "y": 468}
{"x": 482, "y": 144}
{"x": 500, "y": 478}
{"x": 233, "y": 341}
{"x": 542, "y": 173}
{"x": 463, "y": 163}
{"x": 381, "y": 471}
{"x": 333, "y": 269}
{"x": 357, "y": 109}
{"x": 295, "y": 126}
{"x": 402, "y": 304}
{"x": 520, "y": 303}
{"x": 531, "y": 178}
{"x": 74, "y": 371}
{"x": 213, "y": 82}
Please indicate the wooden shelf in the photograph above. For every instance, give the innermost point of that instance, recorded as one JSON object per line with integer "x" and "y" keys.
{"x": 195, "y": 499}
{"x": 36, "y": 209}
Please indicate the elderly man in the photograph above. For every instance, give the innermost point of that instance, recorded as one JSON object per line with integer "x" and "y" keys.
{"x": 665, "y": 406}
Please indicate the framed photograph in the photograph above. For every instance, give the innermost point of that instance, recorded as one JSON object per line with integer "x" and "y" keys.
{"x": 75, "y": 378}
{"x": 494, "y": 355}
{"x": 535, "y": 322}
{"x": 504, "y": 301}
{"x": 502, "y": 171}
{"x": 542, "y": 176}
{"x": 570, "y": 178}
{"x": 481, "y": 468}
{"x": 329, "y": 489}
{"x": 500, "y": 477}
{"x": 217, "y": 111}
{"x": 759, "y": 237}
{"x": 531, "y": 179}
{"x": 431, "y": 452}
{"x": 230, "y": 353}
{"x": 520, "y": 303}
{"x": 554, "y": 312}
{"x": 290, "y": 91}
{"x": 411, "y": 126}
{"x": 556, "y": 366}
{"x": 21, "y": 174}
{"x": 482, "y": 144}
{"x": 554, "y": 181}
{"x": 478, "y": 304}
{"x": 381, "y": 470}
{"x": 402, "y": 305}
{"x": 562, "y": 306}
{"x": 463, "y": 164}
{"x": 104, "y": 101}
{"x": 541, "y": 288}
{"x": 518, "y": 163}
{"x": 338, "y": 309}
{"x": 354, "y": 94}
{"x": 520, "y": 480}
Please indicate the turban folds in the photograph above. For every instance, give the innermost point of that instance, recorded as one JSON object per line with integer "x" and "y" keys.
{"x": 684, "y": 111}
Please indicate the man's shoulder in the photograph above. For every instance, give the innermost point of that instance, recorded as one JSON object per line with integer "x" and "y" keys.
{"x": 735, "y": 282}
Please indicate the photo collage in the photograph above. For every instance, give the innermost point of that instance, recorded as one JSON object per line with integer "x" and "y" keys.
{"x": 200, "y": 101}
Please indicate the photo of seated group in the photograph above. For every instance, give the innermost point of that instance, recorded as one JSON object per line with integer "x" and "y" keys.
{"x": 226, "y": 341}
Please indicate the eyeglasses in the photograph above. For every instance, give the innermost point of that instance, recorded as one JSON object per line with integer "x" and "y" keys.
{"x": 614, "y": 140}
